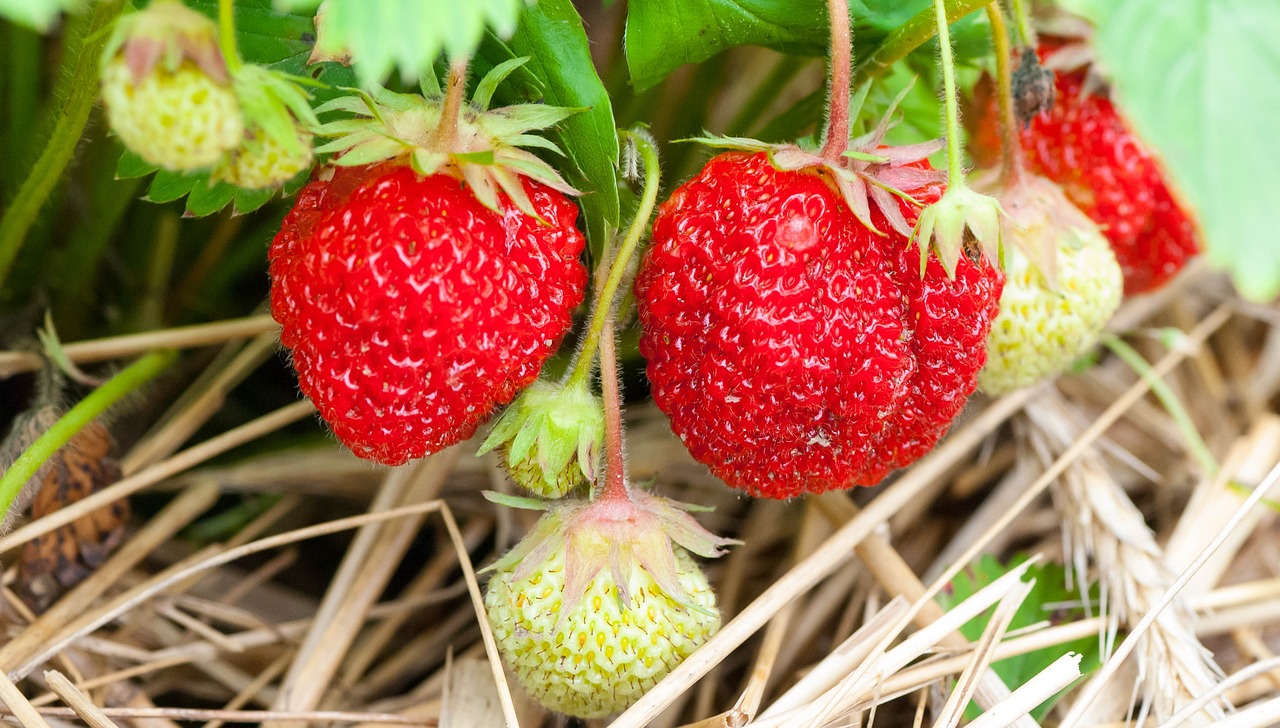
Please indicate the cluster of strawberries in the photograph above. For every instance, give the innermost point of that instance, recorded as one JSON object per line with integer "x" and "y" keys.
{"x": 799, "y": 335}
{"x": 178, "y": 102}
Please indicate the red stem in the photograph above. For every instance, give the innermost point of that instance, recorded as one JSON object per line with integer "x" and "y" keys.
{"x": 841, "y": 71}
{"x": 615, "y": 479}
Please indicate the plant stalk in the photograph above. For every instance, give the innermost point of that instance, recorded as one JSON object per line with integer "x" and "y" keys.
{"x": 113, "y": 390}
{"x": 955, "y": 172}
{"x": 601, "y": 314}
{"x": 445, "y": 136}
{"x": 615, "y": 477}
{"x": 1011, "y": 170}
{"x": 227, "y": 36}
{"x": 85, "y": 41}
{"x": 1022, "y": 21}
{"x": 1160, "y": 388}
{"x": 840, "y": 70}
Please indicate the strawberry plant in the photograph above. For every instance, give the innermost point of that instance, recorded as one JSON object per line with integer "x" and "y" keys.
{"x": 615, "y": 263}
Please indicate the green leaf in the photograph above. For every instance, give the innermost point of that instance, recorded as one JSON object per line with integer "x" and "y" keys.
{"x": 168, "y": 186}
{"x": 206, "y": 199}
{"x": 560, "y": 73}
{"x": 202, "y": 198}
{"x": 406, "y": 34}
{"x": 1044, "y": 603}
{"x": 37, "y": 14}
{"x": 663, "y": 35}
{"x": 1200, "y": 82}
{"x": 131, "y": 166}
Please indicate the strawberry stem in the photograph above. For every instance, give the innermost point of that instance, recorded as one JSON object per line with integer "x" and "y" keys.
{"x": 615, "y": 477}
{"x": 1011, "y": 163}
{"x": 227, "y": 35}
{"x": 955, "y": 172}
{"x": 841, "y": 68}
{"x": 601, "y": 314}
{"x": 445, "y": 135}
{"x": 1022, "y": 22}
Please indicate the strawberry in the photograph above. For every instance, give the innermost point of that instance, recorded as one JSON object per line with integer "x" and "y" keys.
{"x": 602, "y": 600}
{"x": 416, "y": 287}
{"x": 278, "y": 121}
{"x": 550, "y": 437}
{"x": 263, "y": 161}
{"x": 166, "y": 88}
{"x": 1062, "y": 284}
{"x": 1084, "y": 145}
{"x": 792, "y": 339}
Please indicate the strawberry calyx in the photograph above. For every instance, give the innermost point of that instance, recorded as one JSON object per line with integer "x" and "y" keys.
{"x": 484, "y": 147}
{"x": 167, "y": 34}
{"x": 610, "y": 533}
{"x": 961, "y": 218}
{"x": 276, "y": 113}
{"x": 1067, "y": 41}
{"x": 868, "y": 173}
{"x": 1039, "y": 221}
{"x": 550, "y": 438}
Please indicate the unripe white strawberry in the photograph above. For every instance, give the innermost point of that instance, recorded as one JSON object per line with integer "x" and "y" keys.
{"x": 1062, "y": 284}
{"x": 602, "y": 600}
{"x": 166, "y": 88}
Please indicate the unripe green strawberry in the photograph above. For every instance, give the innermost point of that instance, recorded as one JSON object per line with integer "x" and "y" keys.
{"x": 1062, "y": 284}
{"x": 166, "y": 88}
{"x": 278, "y": 123}
{"x": 262, "y": 161}
{"x": 601, "y": 601}
{"x": 550, "y": 437}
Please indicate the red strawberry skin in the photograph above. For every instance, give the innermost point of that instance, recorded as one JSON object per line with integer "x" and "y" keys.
{"x": 1084, "y": 145}
{"x": 412, "y": 311}
{"x": 793, "y": 350}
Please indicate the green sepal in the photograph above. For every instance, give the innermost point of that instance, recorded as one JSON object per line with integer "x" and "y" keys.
{"x": 550, "y": 438}
{"x": 515, "y": 501}
{"x": 944, "y": 224}
{"x": 276, "y": 104}
{"x": 485, "y": 151}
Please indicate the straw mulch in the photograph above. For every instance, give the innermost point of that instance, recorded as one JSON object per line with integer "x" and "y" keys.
{"x": 339, "y": 593}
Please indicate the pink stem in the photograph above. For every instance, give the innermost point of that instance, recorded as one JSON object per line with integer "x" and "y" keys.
{"x": 615, "y": 482}
{"x": 445, "y": 135}
{"x": 841, "y": 70}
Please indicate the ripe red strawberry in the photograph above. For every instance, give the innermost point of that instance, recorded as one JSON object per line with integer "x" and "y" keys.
{"x": 1084, "y": 145}
{"x": 419, "y": 293}
{"x": 793, "y": 349}
{"x": 412, "y": 310}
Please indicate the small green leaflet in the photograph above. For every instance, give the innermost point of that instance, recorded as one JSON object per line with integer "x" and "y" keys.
{"x": 405, "y": 34}
{"x": 1200, "y": 81}
{"x": 203, "y": 198}
{"x": 1042, "y": 604}
{"x": 38, "y": 15}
